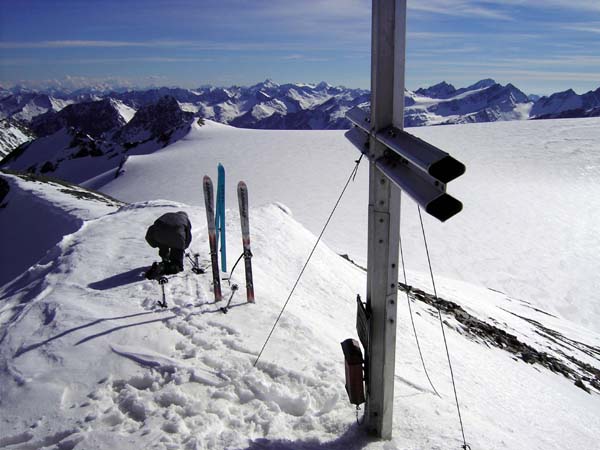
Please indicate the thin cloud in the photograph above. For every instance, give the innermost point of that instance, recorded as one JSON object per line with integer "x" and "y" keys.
{"x": 502, "y": 63}
{"x": 67, "y": 61}
{"x": 498, "y": 9}
{"x": 460, "y": 8}
{"x": 304, "y": 58}
{"x": 440, "y": 36}
{"x": 74, "y": 44}
{"x": 585, "y": 27}
{"x": 549, "y": 76}
{"x": 180, "y": 45}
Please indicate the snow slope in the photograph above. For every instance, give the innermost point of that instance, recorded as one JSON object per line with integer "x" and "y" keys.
{"x": 33, "y": 222}
{"x": 12, "y": 134}
{"x": 531, "y": 199}
{"x": 88, "y": 362}
{"x": 25, "y": 106}
{"x": 485, "y": 101}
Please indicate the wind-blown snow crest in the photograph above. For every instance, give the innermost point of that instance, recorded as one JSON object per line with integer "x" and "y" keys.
{"x": 90, "y": 362}
{"x": 529, "y": 193}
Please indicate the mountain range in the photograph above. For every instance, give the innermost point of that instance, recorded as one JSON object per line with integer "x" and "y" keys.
{"x": 106, "y": 130}
{"x": 29, "y": 119}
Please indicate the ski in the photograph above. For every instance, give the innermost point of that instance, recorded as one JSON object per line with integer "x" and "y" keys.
{"x": 212, "y": 236}
{"x": 243, "y": 201}
{"x": 220, "y": 216}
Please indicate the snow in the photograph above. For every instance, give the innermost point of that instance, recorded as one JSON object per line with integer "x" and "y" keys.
{"x": 530, "y": 198}
{"x": 465, "y": 106}
{"x": 264, "y": 110}
{"x": 521, "y": 112}
{"x": 38, "y": 105}
{"x": 11, "y": 136}
{"x": 308, "y": 100}
{"x": 58, "y": 103}
{"x": 87, "y": 360}
{"x": 24, "y": 242}
{"x": 125, "y": 111}
{"x": 557, "y": 103}
{"x": 190, "y": 107}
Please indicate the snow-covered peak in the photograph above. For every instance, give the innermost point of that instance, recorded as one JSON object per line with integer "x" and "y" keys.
{"x": 484, "y": 101}
{"x": 91, "y": 141}
{"x": 440, "y": 90}
{"x": 125, "y": 111}
{"x": 487, "y": 82}
{"x": 155, "y": 121}
{"x": 25, "y": 106}
{"x": 267, "y": 86}
{"x": 269, "y": 83}
{"x": 557, "y": 103}
{"x": 322, "y": 86}
{"x": 94, "y": 118}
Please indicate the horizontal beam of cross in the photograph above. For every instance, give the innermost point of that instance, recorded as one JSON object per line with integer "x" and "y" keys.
{"x": 420, "y": 169}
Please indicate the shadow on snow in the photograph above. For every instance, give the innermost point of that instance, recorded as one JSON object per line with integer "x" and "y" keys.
{"x": 28, "y": 348}
{"x": 354, "y": 438}
{"x": 121, "y": 279}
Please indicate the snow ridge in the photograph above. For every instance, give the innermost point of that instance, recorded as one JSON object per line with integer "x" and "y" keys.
{"x": 91, "y": 344}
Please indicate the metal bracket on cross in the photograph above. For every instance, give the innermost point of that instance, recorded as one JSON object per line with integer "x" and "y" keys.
{"x": 415, "y": 166}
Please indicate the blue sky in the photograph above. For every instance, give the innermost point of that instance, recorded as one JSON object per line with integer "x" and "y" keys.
{"x": 541, "y": 46}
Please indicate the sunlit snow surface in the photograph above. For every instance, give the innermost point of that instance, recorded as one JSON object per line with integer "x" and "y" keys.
{"x": 87, "y": 360}
{"x": 531, "y": 199}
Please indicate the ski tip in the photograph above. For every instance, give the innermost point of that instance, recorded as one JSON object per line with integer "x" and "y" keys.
{"x": 242, "y": 185}
{"x": 207, "y": 179}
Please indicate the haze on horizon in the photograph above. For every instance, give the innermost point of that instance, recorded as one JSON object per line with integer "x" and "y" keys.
{"x": 541, "y": 46}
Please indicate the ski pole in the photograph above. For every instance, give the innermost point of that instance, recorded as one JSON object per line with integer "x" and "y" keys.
{"x": 162, "y": 281}
{"x": 195, "y": 265}
{"x": 234, "y": 266}
{"x": 234, "y": 287}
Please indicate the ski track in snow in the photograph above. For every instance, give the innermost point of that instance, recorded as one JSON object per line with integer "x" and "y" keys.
{"x": 208, "y": 359}
{"x": 530, "y": 195}
{"x": 183, "y": 377}
{"x": 88, "y": 361}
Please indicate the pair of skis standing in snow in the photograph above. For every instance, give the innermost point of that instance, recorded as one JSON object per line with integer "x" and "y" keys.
{"x": 167, "y": 236}
{"x": 242, "y": 191}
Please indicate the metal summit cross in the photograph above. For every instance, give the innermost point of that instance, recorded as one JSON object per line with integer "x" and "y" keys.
{"x": 397, "y": 161}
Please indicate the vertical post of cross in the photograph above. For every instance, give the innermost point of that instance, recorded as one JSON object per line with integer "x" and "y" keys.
{"x": 387, "y": 108}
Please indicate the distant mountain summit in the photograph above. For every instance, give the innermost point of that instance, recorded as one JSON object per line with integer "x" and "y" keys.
{"x": 138, "y": 99}
{"x": 25, "y": 106}
{"x": 440, "y": 90}
{"x": 484, "y": 101}
{"x": 445, "y": 90}
{"x": 95, "y": 118}
{"x": 567, "y": 104}
{"x": 155, "y": 121}
{"x": 90, "y": 139}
